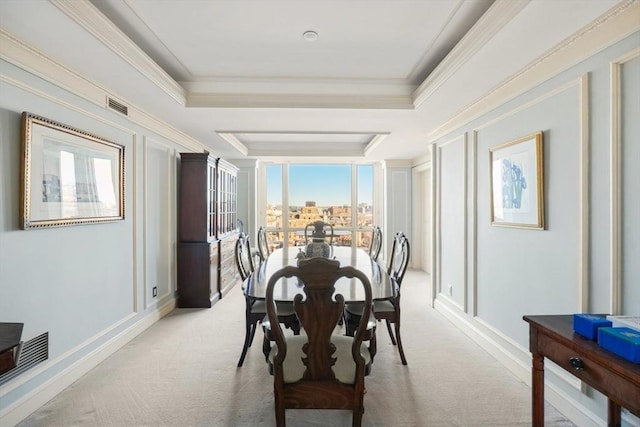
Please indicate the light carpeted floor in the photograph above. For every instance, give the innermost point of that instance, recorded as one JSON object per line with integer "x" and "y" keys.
{"x": 182, "y": 372}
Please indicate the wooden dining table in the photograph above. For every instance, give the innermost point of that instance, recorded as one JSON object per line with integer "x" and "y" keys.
{"x": 382, "y": 285}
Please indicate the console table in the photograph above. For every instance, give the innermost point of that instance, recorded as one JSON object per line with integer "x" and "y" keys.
{"x": 553, "y": 337}
{"x": 10, "y": 334}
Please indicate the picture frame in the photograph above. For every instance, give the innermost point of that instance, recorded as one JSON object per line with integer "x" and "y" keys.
{"x": 68, "y": 176}
{"x": 517, "y": 183}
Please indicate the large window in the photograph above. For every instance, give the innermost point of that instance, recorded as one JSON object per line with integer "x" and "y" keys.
{"x": 340, "y": 194}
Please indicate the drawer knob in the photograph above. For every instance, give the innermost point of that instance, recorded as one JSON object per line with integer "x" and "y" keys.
{"x": 577, "y": 363}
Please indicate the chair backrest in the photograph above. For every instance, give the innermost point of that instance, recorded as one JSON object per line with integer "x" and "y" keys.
{"x": 318, "y": 230}
{"x": 376, "y": 243}
{"x": 244, "y": 261}
{"x": 399, "y": 259}
{"x": 319, "y": 312}
{"x": 263, "y": 244}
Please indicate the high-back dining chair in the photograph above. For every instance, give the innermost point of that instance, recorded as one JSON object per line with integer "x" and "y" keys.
{"x": 387, "y": 310}
{"x": 319, "y": 370}
{"x": 263, "y": 244}
{"x": 376, "y": 243}
{"x": 255, "y": 310}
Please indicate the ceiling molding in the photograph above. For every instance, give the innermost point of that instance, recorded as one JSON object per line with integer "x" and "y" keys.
{"x": 287, "y": 143}
{"x": 498, "y": 15}
{"x": 210, "y": 100}
{"x": 33, "y": 61}
{"x": 91, "y": 19}
{"x": 620, "y": 22}
{"x": 314, "y": 153}
{"x": 234, "y": 142}
{"x": 374, "y": 143}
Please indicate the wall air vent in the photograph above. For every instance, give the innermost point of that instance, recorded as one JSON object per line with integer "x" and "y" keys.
{"x": 34, "y": 351}
{"x": 117, "y": 106}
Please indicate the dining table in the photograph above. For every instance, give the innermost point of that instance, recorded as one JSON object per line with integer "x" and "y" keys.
{"x": 382, "y": 285}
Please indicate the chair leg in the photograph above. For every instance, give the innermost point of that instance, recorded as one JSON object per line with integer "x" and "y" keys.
{"x": 294, "y": 324}
{"x": 279, "y": 406}
{"x": 250, "y": 330}
{"x": 351, "y": 322}
{"x": 253, "y": 332}
{"x": 266, "y": 348}
{"x": 393, "y": 339}
{"x": 357, "y": 417}
{"x": 400, "y": 349}
{"x": 373, "y": 346}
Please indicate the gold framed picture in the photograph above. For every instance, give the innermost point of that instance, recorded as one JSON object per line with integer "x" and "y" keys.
{"x": 517, "y": 183}
{"x": 68, "y": 176}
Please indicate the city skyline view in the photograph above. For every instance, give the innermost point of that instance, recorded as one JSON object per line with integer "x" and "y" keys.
{"x": 326, "y": 185}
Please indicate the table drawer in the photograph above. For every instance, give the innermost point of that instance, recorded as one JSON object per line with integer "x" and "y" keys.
{"x": 578, "y": 363}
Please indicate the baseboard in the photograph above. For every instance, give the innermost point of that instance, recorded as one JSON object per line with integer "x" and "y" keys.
{"x": 29, "y": 403}
{"x": 569, "y": 407}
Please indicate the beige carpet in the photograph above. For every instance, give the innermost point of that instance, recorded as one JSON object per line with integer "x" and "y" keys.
{"x": 182, "y": 372}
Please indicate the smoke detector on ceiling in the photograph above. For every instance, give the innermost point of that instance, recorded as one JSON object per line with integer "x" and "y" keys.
{"x": 310, "y": 36}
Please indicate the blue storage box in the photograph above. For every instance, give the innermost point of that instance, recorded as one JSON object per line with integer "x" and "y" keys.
{"x": 587, "y": 324}
{"x": 625, "y": 342}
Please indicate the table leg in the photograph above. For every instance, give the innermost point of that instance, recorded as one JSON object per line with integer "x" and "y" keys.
{"x": 614, "y": 419}
{"x": 537, "y": 391}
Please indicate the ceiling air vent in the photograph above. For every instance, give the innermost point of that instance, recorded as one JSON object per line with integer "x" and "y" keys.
{"x": 117, "y": 106}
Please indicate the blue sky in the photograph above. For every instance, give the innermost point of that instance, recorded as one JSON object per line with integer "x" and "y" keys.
{"x": 325, "y": 184}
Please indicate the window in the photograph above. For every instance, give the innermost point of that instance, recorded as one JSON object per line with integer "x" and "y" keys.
{"x": 340, "y": 194}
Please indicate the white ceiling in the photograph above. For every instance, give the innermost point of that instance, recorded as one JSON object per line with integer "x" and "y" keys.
{"x": 238, "y": 76}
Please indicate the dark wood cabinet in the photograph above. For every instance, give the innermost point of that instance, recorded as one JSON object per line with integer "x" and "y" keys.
{"x": 207, "y": 216}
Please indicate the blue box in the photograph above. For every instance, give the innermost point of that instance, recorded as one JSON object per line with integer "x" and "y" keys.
{"x": 625, "y": 342}
{"x": 587, "y": 324}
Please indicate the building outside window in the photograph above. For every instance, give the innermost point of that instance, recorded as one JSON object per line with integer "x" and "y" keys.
{"x": 339, "y": 194}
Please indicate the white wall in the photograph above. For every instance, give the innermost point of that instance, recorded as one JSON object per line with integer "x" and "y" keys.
{"x": 89, "y": 286}
{"x": 585, "y": 260}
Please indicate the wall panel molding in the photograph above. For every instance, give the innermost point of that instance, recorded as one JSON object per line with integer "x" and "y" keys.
{"x": 170, "y": 178}
{"x": 473, "y": 173}
{"x": 615, "y": 166}
{"x": 583, "y": 190}
{"x": 437, "y": 220}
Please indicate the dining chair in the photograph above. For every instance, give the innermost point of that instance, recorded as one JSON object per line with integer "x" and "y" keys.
{"x": 255, "y": 310}
{"x": 263, "y": 244}
{"x": 387, "y": 310}
{"x": 376, "y": 243}
{"x": 320, "y": 369}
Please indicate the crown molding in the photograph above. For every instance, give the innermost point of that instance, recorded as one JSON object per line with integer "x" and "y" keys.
{"x": 33, "y": 61}
{"x": 211, "y": 100}
{"x": 92, "y": 20}
{"x": 316, "y": 155}
{"x": 397, "y": 163}
{"x": 374, "y": 143}
{"x": 619, "y": 22}
{"x": 496, "y": 17}
{"x": 234, "y": 142}
{"x": 28, "y": 58}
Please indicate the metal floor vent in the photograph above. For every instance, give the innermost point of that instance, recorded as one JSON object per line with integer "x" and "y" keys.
{"x": 117, "y": 106}
{"x": 34, "y": 351}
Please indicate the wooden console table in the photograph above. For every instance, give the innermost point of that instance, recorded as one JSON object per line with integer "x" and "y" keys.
{"x": 10, "y": 334}
{"x": 553, "y": 337}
